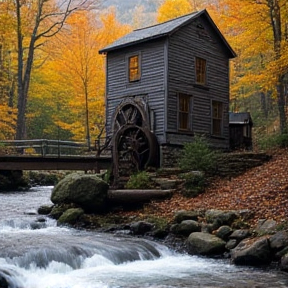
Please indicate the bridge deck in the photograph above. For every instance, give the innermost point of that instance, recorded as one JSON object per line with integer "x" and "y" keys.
{"x": 83, "y": 163}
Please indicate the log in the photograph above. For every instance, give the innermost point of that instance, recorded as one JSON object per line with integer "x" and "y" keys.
{"x": 137, "y": 196}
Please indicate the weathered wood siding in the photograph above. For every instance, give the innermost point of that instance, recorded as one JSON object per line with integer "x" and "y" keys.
{"x": 184, "y": 45}
{"x": 150, "y": 87}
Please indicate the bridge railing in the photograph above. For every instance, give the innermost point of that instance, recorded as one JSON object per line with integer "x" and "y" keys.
{"x": 43, "y": 147}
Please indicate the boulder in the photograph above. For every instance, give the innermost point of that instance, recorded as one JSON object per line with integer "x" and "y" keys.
{"x": 240, "y": 234}
{"x": 85, "y": 190}
{"x": 252, "y": 252}
{"x": 186, "y": 227}
{"x": 70, "y": 216}
{"x": 224, "y": 232}
{"x": 45, "y": 209}
{"x": 182, "y": 215}
{"x": 37, "y": 225}
{"x": 58, "y": 210}
{"x": 284, "y": 263}
{"x": 221, "y": 217}
{"x": 231, "y": 244}
{"x": 141, "y": 227}
{"x": 199, "y": 243}
{"x": 279, "y": 241}
{"x": 281, "y": 253}
{"x": 266, "y": 226}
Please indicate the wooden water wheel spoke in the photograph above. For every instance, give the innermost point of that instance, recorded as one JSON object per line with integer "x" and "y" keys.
{"x": 144, "y": 151}
{"x": 134, "y": 115}
{"x": 128, "y": 114}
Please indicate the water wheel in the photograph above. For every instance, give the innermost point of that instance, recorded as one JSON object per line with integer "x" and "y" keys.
{"x": 135, "y": 147}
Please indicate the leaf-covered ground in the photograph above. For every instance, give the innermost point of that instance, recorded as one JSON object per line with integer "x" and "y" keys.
{"x": 263, "y": 190}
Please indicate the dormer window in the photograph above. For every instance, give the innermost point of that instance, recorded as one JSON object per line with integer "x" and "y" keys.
{"x": 200, "y": 67}
{"x": 134, "y": 69}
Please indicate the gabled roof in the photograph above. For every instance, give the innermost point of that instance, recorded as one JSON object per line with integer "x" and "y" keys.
{"x": 240, "y": 118}
{"x": 162, "y": 30}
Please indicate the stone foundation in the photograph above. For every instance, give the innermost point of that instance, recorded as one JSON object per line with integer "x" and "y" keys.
{"x": 169, "y": 155}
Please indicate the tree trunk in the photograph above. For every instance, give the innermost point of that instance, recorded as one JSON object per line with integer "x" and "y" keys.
{"x": 20, "y": 128}
{"x": 137, "y": 196}
{"x": 281, "y": 105}
{"x": 275, "y": 18}
{"x": 24, "y": 74}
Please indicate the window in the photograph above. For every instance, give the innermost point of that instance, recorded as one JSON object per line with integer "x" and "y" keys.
{"x": 184, "y": 111}
{"x": 246, "y": 130}
{"x": 200, "y": 71}
{"x": 134, "y": 68}
{"x": 217, "y": 118}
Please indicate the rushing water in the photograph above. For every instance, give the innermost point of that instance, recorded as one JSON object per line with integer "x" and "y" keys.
{"x": 57, "y": 257}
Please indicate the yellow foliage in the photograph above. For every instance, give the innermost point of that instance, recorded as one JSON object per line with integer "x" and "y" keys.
{"x": 173, "y": 8}
{"x": 75, "y": 72}
{"x": 247, "y": 27}
{"x": 7, "y": 122}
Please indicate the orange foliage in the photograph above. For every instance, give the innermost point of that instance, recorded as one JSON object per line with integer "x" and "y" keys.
{"x": 79, "y": 71}
{"x": 173, "y": 8}
{"x": 247, "y": 27}
{"x": 263, "y": 195}
{"x": 7, "y": 122}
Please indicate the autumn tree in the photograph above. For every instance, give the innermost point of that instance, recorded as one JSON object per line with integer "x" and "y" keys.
{"x": 78, "y": 77}
{"x": 175, "y": 8}
{"x": 278, "y": 15}
{"x": 7, "y": 73}
{"x": 35, "y": 22}
{"x": 256, "y": 30}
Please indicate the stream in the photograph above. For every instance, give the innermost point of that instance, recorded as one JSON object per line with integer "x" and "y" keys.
{"x": 35, "y": 253}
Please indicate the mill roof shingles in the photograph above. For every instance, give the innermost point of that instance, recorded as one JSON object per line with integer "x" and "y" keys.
{"x": 162, "y": 30}
{"x": 149, "y": 33}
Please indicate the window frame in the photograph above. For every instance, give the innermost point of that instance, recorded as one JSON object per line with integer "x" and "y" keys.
{"x": 137, "y": 68}
{"x": 200, "y": 71}
{"x": 186, "y": 112}
{"x": 217, "y": 117}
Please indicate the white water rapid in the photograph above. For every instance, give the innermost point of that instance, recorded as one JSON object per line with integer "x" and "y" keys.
{"x": 35, "y": 253}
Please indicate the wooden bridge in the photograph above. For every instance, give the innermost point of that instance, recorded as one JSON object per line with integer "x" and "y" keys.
{"x": 43, "y": 154}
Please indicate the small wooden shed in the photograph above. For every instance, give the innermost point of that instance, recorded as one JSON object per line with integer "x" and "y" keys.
{"x": 164, "y": 84}
{"x": 240, "y": 125}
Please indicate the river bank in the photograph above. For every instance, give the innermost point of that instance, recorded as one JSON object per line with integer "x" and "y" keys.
{"x": 23, "y": 180}
{"x": 250, "y": 208}
{"x": 260, "y": 193}
{"x": 60, "y": 256}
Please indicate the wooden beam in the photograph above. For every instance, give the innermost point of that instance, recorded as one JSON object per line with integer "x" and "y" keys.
{"x": 54, "y": 163}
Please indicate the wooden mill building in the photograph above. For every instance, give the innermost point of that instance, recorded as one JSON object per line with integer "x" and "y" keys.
{"x": 164, "y": 84}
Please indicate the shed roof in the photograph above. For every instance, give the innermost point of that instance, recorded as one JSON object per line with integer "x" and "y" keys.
{"x": 162, "y": 30}
{"x": 240, "y": 118}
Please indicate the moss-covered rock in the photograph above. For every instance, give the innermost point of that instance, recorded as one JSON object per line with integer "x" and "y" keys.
{"x": 200, "y": 243}
{"x": 186, "y": 227}
{"x": 70, "y": 216}
{"x": 87, "y": 191}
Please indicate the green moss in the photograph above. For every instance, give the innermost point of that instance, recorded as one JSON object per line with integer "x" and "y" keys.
{"x": 141, "y": 180}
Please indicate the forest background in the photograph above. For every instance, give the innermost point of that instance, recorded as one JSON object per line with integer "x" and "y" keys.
{"x": 52, "y": 78}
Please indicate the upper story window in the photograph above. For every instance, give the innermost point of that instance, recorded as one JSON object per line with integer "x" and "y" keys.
{"x": 184, "y": 108}
{"x": 217, "y": 118}
{"x": 200, "y": 67}
{"x": 134, "y": 69}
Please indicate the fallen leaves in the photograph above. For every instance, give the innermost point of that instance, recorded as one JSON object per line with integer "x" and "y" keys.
{"x": 263, "y": 190}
